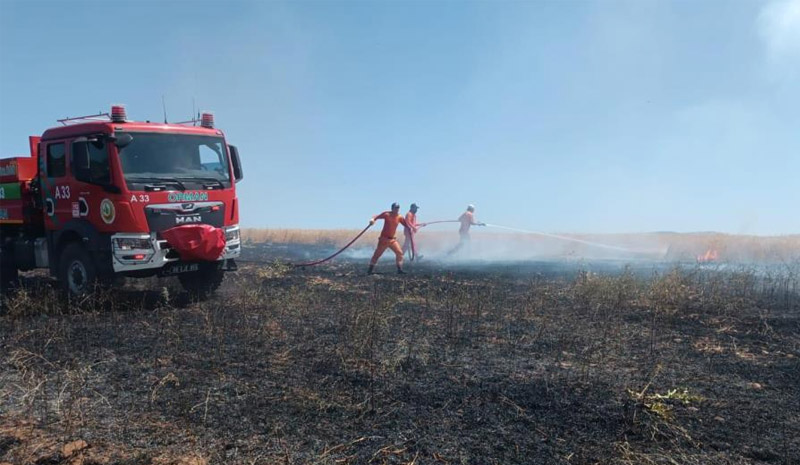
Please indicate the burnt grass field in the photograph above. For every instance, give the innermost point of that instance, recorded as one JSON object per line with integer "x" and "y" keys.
{"x": 480, "y": 364}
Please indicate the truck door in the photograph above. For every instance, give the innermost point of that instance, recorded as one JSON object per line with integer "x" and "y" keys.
{"x": 91, "y": 179}
{"x": 56, "y": 192}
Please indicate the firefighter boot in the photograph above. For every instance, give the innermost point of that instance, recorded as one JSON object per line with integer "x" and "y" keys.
{"x": 400, "y": 270}
{"x": 371, "y": 269}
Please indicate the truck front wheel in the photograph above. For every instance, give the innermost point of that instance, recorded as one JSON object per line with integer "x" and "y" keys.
{"x": 77, "y": 271}
{"x": 204, "y": 282}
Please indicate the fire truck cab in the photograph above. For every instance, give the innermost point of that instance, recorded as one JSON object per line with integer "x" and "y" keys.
{"x": 102, "y": 196}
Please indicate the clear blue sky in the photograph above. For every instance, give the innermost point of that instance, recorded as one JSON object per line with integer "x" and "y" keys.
{"x": 578, "y": 116}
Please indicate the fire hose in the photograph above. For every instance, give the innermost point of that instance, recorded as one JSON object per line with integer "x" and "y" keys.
{"x": 331, "y": 257}
{"x": 314, "y": 263}
{"x": 439, "y": 221}
{"x": 413, "y": 246}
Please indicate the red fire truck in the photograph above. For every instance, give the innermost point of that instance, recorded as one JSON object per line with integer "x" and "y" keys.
{"x": 101, "y": 196}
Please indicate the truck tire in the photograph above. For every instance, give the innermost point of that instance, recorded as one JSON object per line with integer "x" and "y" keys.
{"x": 77, "y": 271}
{"x": 204, "y": 282}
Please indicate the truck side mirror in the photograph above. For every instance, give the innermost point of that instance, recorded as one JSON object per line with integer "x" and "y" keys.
{"x": 122, "y": 139}
{"x": 238, "y": 174}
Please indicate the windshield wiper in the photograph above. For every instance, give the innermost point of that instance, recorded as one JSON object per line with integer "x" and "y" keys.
{"x": 160, "y": 180}
{"x": 206, "y": 179}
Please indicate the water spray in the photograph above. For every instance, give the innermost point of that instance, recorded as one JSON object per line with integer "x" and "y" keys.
{"x": 564, "y": 238}
{"x": 539, "y": 233}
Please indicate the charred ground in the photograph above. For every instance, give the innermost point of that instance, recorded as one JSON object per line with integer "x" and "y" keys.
{"x": 475, "y": 364}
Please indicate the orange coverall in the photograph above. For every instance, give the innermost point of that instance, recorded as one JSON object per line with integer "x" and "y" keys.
{"x": 387, "y": 239}
{"x": 408, "y": 232}
{"x": 466, "y": 219}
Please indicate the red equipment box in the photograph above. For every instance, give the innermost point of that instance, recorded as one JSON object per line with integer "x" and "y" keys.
{"x": 17, "y": 169}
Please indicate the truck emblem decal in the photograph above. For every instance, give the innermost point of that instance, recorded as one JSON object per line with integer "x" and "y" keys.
{"x": 107, "y": 211}
{"x": 83, "y": 208}
{"x": 188, "y": 219}
{"x": 76, "y": 210}
{"x": 195, "y": 196}
{"x": 49, "y": 202}
{"x": 187, "y": 206}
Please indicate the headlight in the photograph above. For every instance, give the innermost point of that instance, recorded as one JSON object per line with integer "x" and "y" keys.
{"x": 232, "y": 233}
{"x": 132, "y": 243}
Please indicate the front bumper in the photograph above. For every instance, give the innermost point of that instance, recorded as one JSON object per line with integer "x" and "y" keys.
{"x": 160, "y": 253}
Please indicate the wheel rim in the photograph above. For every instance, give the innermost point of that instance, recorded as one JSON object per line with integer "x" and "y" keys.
{"x": 78, "y": 277}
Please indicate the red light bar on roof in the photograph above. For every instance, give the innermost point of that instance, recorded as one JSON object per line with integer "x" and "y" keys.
{"x": 118, "y": 113}
{"x": 207, "y": 120}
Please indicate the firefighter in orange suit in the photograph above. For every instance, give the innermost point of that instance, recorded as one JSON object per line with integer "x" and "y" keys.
{"x": 388, "y": 239}
{"x": 467, "y": 219}
{"x": 410, "y": 231}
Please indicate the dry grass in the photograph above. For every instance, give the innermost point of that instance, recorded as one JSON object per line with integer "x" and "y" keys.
{"x": 324, "y": 237}
{"x": 688, "y": 365}
{"x": 334, "y": 238}
{"x": 731, "y": 247}
{"x": 668, "y": 246}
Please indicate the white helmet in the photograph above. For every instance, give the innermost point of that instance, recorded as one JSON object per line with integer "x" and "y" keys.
{"x": 471, "y": 208}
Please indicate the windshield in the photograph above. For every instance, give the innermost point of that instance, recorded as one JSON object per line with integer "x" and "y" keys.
{"x": 151, "y": 157}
